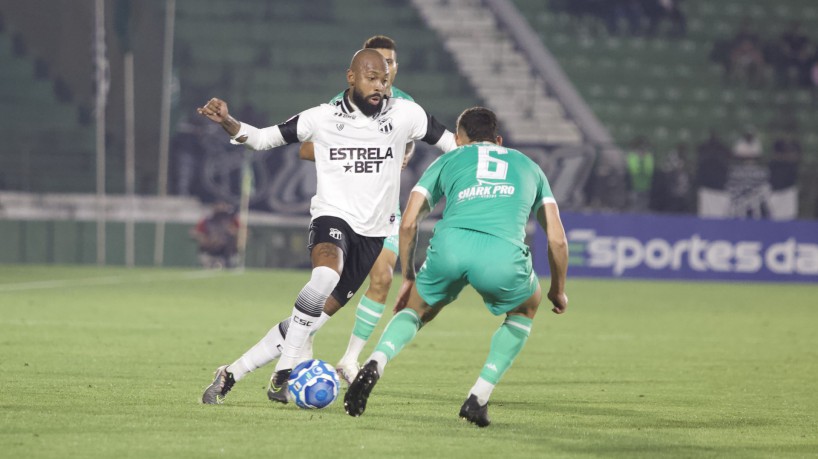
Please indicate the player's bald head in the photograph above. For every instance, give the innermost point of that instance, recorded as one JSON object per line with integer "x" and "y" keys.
{"x": 368, "y": 59}
{"x": 368, "y": 78}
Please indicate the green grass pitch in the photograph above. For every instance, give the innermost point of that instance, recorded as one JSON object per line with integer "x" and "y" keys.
{"x": 111, "y": 363}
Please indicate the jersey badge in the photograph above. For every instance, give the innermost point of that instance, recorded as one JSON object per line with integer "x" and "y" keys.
{"x": 385, "y": 125}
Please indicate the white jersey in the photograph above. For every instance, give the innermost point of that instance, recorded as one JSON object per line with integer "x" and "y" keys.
{"x": 358, "y": 158}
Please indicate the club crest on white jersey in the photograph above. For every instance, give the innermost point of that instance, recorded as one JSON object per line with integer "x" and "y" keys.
{"x": 385, "y": 125}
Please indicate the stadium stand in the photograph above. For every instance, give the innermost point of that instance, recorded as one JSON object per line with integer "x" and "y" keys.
{"x": 281, "y": 57}
{"x": 277, "y": 57}
{"x": 672, "y": 88}
{"x": 284, "y": 57}
{"x": 500, "y": 72}
{"x": 46, "y": 148}
{"x": 668, "y": 88}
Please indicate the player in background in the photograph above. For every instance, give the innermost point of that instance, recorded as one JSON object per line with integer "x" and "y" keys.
{"x": 360, "y": 144}
{"x": 490, "y": 193}
{"x": 373, "y": 302}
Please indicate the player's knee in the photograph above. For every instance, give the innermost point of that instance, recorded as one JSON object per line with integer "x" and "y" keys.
{"x": 529, "y": 307}
{"x": 332, "y": 305}
{"x": 428, "y": 314}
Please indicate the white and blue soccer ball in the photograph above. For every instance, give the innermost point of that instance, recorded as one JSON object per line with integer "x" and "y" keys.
{"x": 314, "y": 384}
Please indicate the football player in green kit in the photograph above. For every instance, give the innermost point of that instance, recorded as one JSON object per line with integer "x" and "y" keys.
{"x": 490, "y": 193}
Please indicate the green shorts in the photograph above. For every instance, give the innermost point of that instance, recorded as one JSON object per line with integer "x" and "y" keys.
{"x": 500, "y": 271}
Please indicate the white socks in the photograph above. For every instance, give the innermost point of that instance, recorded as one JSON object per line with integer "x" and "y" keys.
{"x": 269, "y": 349}
{"x": 356, "y": 345}
{"x": 306, "y": 314}
{"x": 482, "y": 389}
{"x": 381, "y": 359}
{"x": 262, "y": 353}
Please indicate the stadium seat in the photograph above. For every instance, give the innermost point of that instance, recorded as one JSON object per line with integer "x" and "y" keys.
{"x": 39, "y": 124}
{"x": 633, "y": 83}
{"x": 288, "y": 57}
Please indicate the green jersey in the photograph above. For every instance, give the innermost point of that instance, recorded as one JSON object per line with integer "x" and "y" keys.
{"x": 488, "y": 188}
{"x": 396, "y": 93}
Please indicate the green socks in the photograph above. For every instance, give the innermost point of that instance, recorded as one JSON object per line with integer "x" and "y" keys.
{"x": 506, "y": 343}
{"x": 366, "y": 317}
{"x": 400, "y": 330}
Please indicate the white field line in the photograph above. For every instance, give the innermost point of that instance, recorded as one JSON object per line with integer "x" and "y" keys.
{"x": 107, "y": 280}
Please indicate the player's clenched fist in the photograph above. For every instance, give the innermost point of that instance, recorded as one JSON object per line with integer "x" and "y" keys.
{"x": 215, "y": 109}
{"x": 559, "y": 300}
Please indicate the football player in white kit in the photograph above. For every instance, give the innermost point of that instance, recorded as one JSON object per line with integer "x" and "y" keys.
{"x": 360, "y": 143}
{"x": 373, "y": 302}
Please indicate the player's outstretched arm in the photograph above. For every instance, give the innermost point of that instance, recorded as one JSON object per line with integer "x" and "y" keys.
{"x": 447, "y": 142}
{"x": 431, "y": 131}
{"x": 295, "y": 129}
{"x": 416, "y": 210}
{"x": 549, "y": 218}
{"x": 216, "y": 111}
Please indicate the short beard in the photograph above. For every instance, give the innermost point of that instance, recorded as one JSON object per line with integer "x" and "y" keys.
{"x": 365, "y": 107}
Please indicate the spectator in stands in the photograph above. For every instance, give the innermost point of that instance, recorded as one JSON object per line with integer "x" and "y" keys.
{"x": 793, "y": 57}
{"x": 673, "y": 189}
{"x": 18, "y": 45}
{"x": 217, "y": 238}
{"x": 784, "y": 121}
{"x": 187, "y": 152}
{"x": 194, "y": 141}
{"x": 745, "y": 58}
{"x": 62, "y": 91}
{"x": 607, "y": 187}
{"x": 657, "y": 11}
{"x": 640, "y": 164}
{"x": 712, "y": 162}
{"x": 785, "y": 162}
{"x": 251, "y": 115}
{"x": 748, "y": 146}
{"x": 619, "y": 12}
{"x": 748, "y": 182}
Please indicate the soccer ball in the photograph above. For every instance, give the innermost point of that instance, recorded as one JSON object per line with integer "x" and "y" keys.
{"x": 314, "y": 384}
